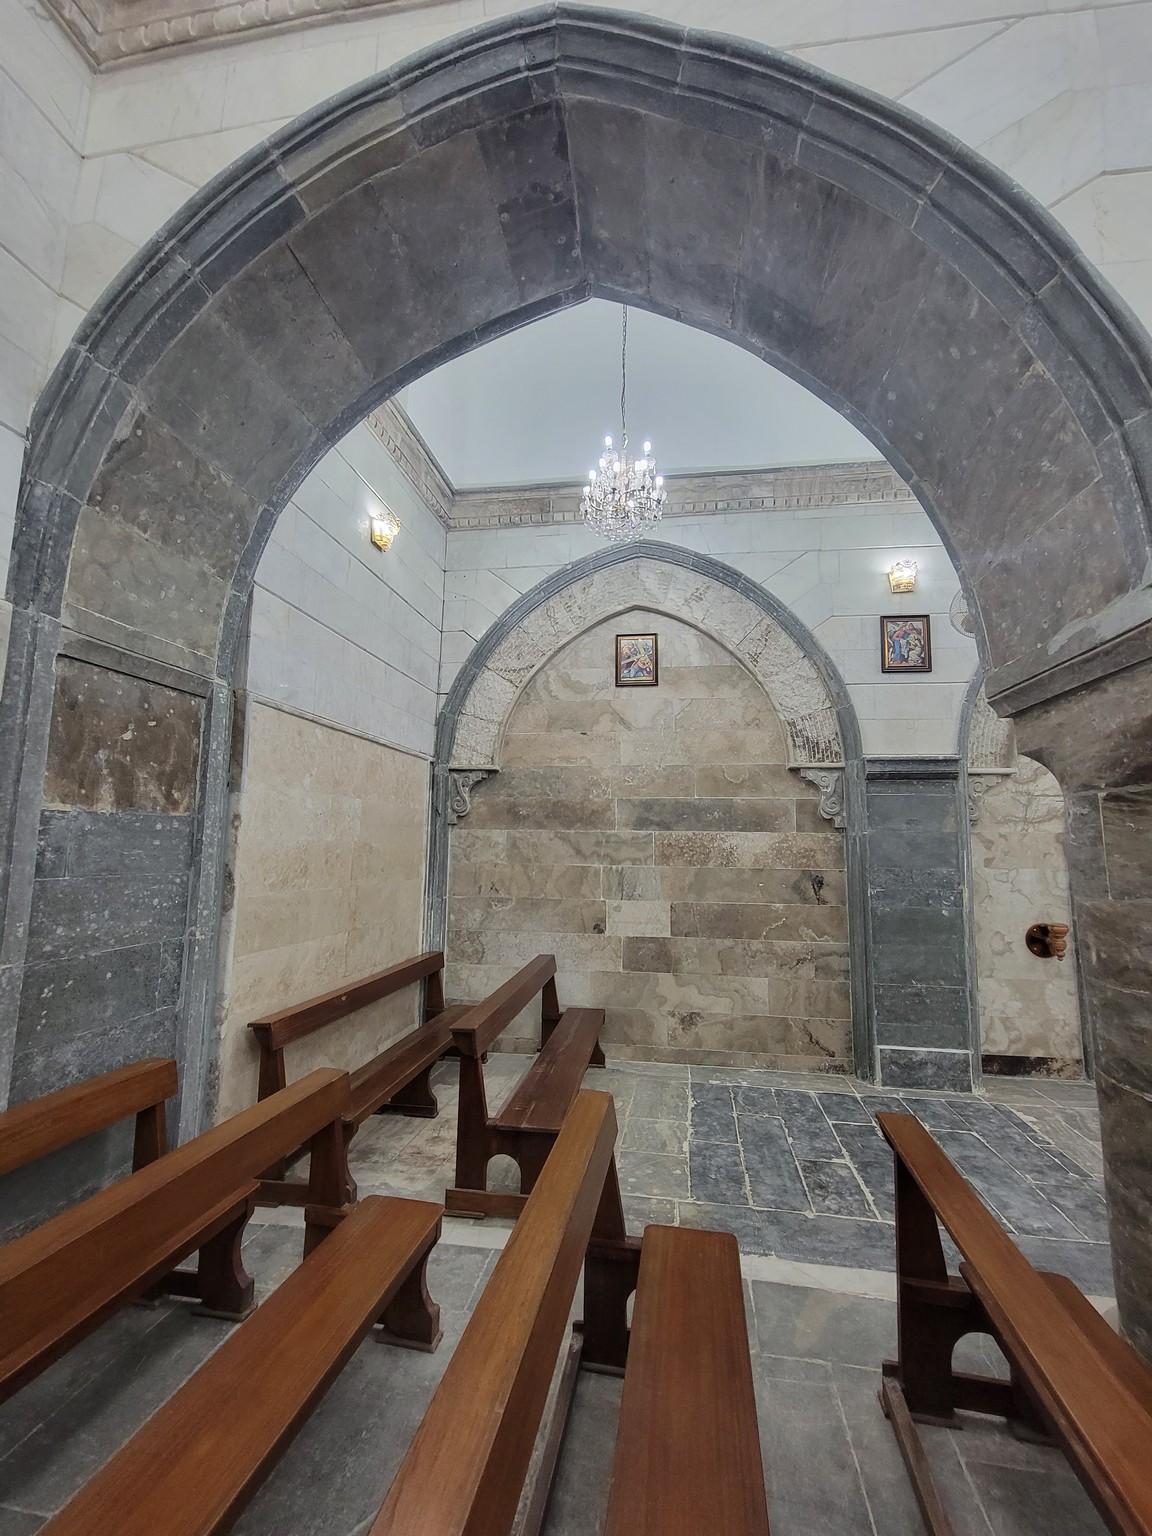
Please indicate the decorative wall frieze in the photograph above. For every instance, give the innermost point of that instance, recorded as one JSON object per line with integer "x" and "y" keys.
{"x": 461, "y": 783}
{"x": 804, "y": 488}
{"x": 830, "y": 783}
{"x": 991, "y": 740}
{"x": 112, "y": 32}
{"x": 787, "y": 672}
{"x": 392, "y": 428}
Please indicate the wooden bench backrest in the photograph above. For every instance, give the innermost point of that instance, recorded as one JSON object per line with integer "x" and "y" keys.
{"x": 66, "y": 1269}
{"x": 1105, "y": 1425}
{"x": 466, "y": 1466}
{"x": 276, "y": 1030}
{"x": 33, "y": 1130}
{"x": 481, "y": 1025}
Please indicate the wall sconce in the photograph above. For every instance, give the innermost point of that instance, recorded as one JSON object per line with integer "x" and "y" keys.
{"x": 1049, "y": 941}
{"x": 902, "y": 576}
{"x": 382, "y": 528}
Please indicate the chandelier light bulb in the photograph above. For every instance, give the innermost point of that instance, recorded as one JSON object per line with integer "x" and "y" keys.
{"x": 626, "y": 500}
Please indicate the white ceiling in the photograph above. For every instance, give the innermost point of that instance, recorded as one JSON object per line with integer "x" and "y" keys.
{"x": 535, "y": 405}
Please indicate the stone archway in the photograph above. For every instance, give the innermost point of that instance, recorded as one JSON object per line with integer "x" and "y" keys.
{"x": 550, "y": 156}
{"x": 822, "y": 738}
{"x": 695, "y": 877}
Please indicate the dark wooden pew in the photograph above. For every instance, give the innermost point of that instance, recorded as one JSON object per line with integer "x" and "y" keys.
{"x": 397, "y": 1080}
{"x": 196, "y": 1463}
{"x": 1071, "y": 1377}
{"x": 33, "y": 1130}
{"x": 526, "y": 1127}
{"x": 688, "y": 1446}
{"x": 688, "y": 1459}
{"x": 63, "y": 1278}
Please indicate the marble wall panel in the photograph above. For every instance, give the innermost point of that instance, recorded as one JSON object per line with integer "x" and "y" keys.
{"x": 1028, "y": 1006}
{"x": 327, "y": 859}
{"x": 656, "y": 843}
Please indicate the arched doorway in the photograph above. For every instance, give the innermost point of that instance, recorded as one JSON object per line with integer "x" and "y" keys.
{"x": 727, "y": 812}
{"x": 518, "y": 169}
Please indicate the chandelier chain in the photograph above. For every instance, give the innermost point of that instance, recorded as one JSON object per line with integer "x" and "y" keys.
{"x": 624, "y": 374}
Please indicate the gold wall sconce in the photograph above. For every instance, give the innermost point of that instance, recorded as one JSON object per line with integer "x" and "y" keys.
{"x": 383, "y": 527}
{"x": 1048, "y": 941}
{"x": 902, "y": 576}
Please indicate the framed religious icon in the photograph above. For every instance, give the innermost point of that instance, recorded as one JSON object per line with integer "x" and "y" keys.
{"x": 906, "y": 643}
{"x": 637, "y": 661}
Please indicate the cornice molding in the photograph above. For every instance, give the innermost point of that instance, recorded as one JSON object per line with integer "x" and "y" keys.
{"x": 118, "y": 32}
{"x": 393, "y": 429}
{"x": 802, "y": 488}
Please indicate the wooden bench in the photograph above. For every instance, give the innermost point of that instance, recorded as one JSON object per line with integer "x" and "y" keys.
{"x": 197, "y": 1462}
{"x": 688, "y": 1457}
{"x": 1071, "y": 1378}
{"x": 33, "y": 1130}
{"x": 63, "y": 1278}
{"x": 526, "y": 1127}
{"x": 397, "y": 1080}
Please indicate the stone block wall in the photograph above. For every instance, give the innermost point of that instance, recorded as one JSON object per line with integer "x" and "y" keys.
{"x": 328, "y": 874}
{"x": 656, "y": 842}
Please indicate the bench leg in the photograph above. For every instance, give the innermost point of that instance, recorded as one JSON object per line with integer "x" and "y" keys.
{"x": 597, "y": 1057}
{"x": 412, "y": 1319}
{"x": 224, "y": 1286}
{"x": 529, "y": 1150}
{"x": 415, "y": 1098}
{"x": 610, "y": 1273}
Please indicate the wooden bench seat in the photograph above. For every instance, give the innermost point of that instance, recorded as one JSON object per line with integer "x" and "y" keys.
{"x": 526, "y": 1127}
{"x": 688, "y": 1446}
{"x": 63, "y": 1278}
{"x": 688, "y": 1458}
{"x": 33, "y": 1130}
{"x": 1070, "y": 1377}
{"x": 198, "y": 1461}
{"x": 397, "y": 1080}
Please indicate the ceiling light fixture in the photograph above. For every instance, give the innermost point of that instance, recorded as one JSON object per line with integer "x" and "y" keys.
{"x": 623, "y": 500}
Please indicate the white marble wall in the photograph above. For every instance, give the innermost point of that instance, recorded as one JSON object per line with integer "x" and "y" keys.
{"x": 1028, "y": 1006}
{"x": 829, "y": 565}
{"x": 45, "y": 89}
{"x": 340, "y": 630}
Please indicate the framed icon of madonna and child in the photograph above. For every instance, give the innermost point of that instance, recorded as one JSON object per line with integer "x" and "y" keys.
{"x": 906, "y": 643}
{"x": 637, "y": 662}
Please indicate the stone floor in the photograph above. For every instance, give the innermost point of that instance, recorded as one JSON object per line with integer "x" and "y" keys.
{"x": 818, "y": 1331}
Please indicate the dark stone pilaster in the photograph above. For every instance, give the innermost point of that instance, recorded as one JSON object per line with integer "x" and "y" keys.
{"x": 919, "y": 977}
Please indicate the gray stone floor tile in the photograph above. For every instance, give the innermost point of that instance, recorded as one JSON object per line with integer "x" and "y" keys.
{"x": 810, "y": 1471}
{"x": 667, "y": 1136}
{"x": 15, "y": 1522}
{"x": 716, "y": 1173}
{"x": 1022, "y": 1501}
{"x": 797, "y": 1323}
{"x": 808, "y": 1127}
{"x": 758, "y": 1100}
{"x": 583, "y": 1477}
{"x": 656, "y": 1099}
{"x": 774, "y": 1179}
{"x": 1089, "y": 1264}
{"x": 834, "y": 1190}
{"x": 640, "y": 1212}
{"x": 1020, "y": 1205}
{"x": 891, "y": 1502}
{"x": 871, "y": 1156}
{"x": 713, "y": 1114}
{"x": 654, "y": 1174}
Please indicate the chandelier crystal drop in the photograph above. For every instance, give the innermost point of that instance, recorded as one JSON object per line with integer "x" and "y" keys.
{"x": 624, "y": 498}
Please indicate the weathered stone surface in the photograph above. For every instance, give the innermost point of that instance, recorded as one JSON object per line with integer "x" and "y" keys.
{"x": 776, "y": 992}
{"x": 94, "y": 712}
{"x": 945, "y": 1070}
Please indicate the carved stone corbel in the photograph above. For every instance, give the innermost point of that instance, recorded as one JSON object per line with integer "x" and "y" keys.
{"x": 978, "y": 787}
{"x": 830, "y": 783}
{"x": 461, "y": 783}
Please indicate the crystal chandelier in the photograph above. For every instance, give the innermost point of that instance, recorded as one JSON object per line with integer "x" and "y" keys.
{"x": 623, "y": 500}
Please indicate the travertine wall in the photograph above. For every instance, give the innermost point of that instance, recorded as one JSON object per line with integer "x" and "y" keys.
{"x": 654, "y": 840}
{"x": 328, "y": 852}
{"x": 1028, "y": 1006}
